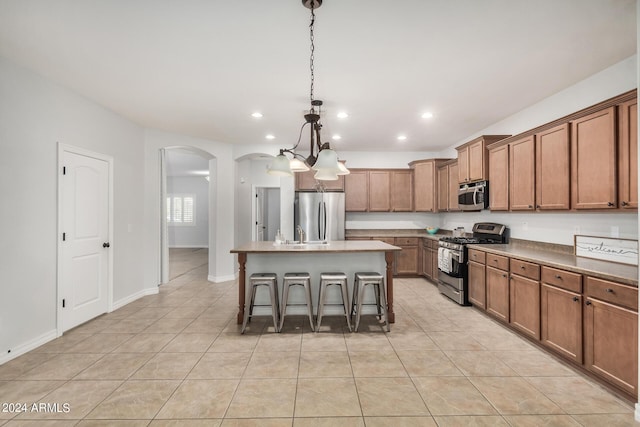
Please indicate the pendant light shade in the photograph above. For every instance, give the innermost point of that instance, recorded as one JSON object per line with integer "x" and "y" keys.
{"x": 298, "y": 165}
{"x": 343, "y": 169}
{"x": 280, "y": 166}
{"x": 326, "y": 175}
{"x": 327, "y": 159}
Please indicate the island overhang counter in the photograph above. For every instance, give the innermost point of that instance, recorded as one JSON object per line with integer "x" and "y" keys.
{"x": 347, "y": 256}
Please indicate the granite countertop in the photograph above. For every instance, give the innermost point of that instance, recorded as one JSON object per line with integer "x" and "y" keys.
{"x": 330, "y": 247}
{"x": 541, "y": 254}
{"x": 551, "y": 255}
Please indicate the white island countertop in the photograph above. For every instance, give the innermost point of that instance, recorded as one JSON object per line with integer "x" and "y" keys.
{"x": 333, "y": 246}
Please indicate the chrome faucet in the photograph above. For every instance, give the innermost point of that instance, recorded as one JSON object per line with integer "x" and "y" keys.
{"x": 300, "y": 234}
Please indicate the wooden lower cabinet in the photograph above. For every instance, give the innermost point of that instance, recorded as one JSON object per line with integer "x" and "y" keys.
{"x": 561, "y": 321}
{"x": 407, "y": 258}
{"x": 497, "y": 283}
{"x": 477, "y": 285}
{"x": 611, "y": 343}
{"x": 426, "y": 266}
{"x": 524, "y": 305}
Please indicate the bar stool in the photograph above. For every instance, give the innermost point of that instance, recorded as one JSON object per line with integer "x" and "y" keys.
{"x": 262, "y": 279}
{"x": 326, "y": 280}
{"x": 296, "y": 279}
{"x": 361, "y": 280}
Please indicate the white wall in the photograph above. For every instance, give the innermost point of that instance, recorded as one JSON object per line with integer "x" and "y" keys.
{"x": 34, "y": 116}
{"x": 197, "y": 235}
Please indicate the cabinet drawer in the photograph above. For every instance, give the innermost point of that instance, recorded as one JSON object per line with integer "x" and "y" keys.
{"x": 615, "y": 293}
{"x": 526, "y": 269}
{"x": 498, "y": 261}
{"x": 477, "y": 256}
{"x": 406, "y": 241}
{"x": 562, "y": 279}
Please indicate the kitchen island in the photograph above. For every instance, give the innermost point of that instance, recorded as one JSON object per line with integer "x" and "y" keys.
{"x": 345, "y": 256}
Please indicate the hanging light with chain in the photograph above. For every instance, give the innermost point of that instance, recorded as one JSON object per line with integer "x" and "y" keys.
{"x": 321, "y": 157}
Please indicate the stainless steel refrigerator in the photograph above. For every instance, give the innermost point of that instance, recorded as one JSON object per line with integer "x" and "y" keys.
{"x": 321, "y": 216}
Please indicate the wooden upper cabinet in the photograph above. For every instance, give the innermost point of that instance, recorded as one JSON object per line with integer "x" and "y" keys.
{"x": 356, "y": 189}
{"x": 379, "y": 191}
{"x": 552, "y": 168}
{"x": 425, "y": 179}
{"x": 628, "y": 154}
{"x": 443, "y": 188}
{"x": 453, "y": 187}
{"x": 499, "y": 178}
{"x": 306, "y": 182}
{"x": 473, "y": 160}
{"x": 593, "y": 161}
{"x": 521, "y": 174}
{"x": 402, "y": 190}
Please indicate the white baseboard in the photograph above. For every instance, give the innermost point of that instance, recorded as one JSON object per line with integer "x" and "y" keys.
{"x": 28, "y": 346}
{"x": 189, "y": 247}
{"x": 637, "y": 412}
{"x": 131, "y": 298}
{"x": 218, "y": 279}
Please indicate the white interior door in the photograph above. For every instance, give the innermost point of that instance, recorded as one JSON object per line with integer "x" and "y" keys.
{"x": 85, "y": 248}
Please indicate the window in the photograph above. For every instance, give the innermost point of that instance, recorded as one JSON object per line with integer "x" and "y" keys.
{"x": 181, "y": 209}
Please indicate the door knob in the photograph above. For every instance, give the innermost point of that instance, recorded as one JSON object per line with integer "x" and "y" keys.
{"x": 106, "y": 245}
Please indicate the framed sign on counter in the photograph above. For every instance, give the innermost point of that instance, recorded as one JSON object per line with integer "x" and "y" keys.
{"x": 624, "y": 251}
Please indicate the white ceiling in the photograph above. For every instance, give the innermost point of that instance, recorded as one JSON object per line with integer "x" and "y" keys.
{"x": 201, "y": 67}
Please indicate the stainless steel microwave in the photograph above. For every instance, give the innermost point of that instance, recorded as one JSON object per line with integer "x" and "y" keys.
{"x": 474, "y": 196}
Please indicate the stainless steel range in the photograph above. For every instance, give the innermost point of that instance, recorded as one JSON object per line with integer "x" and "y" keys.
{"x": 452, "y": 258}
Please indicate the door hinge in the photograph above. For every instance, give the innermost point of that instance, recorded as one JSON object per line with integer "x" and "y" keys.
{"x": 64, "y": 303}
{"x": 64, "y": 236}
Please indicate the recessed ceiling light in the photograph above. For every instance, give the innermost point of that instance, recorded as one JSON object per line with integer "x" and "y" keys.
{"x": 336, "y": 137}
{"x": 402, "y": 137}
{"x": 269, "y": 136}
{"x": 256, "y": 115}
{"x": 342, "y": 115}
{"x": 427, "y": 115}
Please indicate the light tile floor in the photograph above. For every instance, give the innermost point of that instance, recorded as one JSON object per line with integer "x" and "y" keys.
{"x": 177, "y": 358}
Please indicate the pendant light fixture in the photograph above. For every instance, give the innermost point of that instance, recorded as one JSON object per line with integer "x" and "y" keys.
{"x": 322, "y": 158}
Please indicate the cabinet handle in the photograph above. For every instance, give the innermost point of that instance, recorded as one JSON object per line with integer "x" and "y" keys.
{"x": 522, "y": 267}
{"x": 530, "y": 206}
{"x": 610, "y": 204}
{"x": 576, "y": 299}
{"x": 588, "y": 303}
{"x": 625, "y": 204}
{"x": 537, "y": 206}
{"x": 559, "y": 277}
{"x": 609, "y": 290}
{"x": 504, "y": 275}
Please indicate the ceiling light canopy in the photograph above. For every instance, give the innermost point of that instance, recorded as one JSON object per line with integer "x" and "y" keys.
{"x": 321, "y": 157}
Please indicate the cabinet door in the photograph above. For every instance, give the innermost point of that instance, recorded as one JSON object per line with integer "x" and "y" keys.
{"x": 476, "y": 161}
{"x": 628, "y": 155}
{"x": 593, "y": 161}
{"x": 426, "y": 261}
{"x": 611, "y": 343}
{"x": 522, "y": 175}
{"x": 443, "y": 188}
{"x": 561, "y": 321}
{"x": 454, "y": 186}
{"x": 424, "y": 179}
{"x": 379, "y": 191}
{"x": 499, "y": 178}
{"x": 407, "y": 261}
{"x": 356, "y": 191}
{"x": 497, "y": 283}
{"x": 463, "y": 165}
{"x": 434, "y": 264}
{"x": 552, "y": 168}
{"x": 524, "y": 305}
{"x": 477, "y": 288}
{"x": 402, "y": 191}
